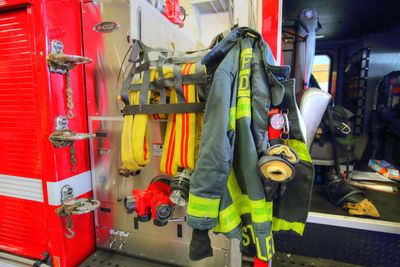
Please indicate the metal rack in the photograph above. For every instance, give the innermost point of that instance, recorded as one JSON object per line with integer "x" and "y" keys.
{"x": 355, "y": 89}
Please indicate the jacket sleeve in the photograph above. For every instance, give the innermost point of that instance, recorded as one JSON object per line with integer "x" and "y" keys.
{"x": 209, "y": 179}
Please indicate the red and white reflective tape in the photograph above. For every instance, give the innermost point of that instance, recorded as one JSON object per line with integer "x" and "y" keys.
{"x": 21, "y": 187}
{"x": 31, "y": 189}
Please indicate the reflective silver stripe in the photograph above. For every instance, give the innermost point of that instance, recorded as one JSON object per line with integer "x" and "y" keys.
{"x": 21, "y": 187}
{"x": 7, "y": 259}
{"x": 354, "y": 222}
{"x": 80, "y": 183}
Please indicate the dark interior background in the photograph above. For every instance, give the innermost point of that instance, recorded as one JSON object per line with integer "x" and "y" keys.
{"x": 350, "y": 19}
{"x": 350, "y": 25}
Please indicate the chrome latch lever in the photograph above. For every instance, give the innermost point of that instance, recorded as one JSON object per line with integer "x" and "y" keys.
{"x": 63, "y": 137}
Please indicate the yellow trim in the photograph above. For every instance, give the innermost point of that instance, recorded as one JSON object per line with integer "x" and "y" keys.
{"x": 243, "y": 93}
{"x": 247, "y": 51}
{"x": 300, "y": 148}
{"x": 261, "y": 210}
{"x": 232, "y": 119}
{"x": 243, "y": 108}
{"x": 282, "y": 225}
{"x": 229, "y": 218}
{"x": 203, "y": 207}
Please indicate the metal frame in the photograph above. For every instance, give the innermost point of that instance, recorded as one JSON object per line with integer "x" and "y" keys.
{"x": 354, "y": 222}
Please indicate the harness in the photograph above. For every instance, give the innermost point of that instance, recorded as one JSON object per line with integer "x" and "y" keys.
{"x": 163, "y": 84}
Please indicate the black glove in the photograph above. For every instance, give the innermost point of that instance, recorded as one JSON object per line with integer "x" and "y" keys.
{"x": 200, "y": 246}
{"x": 273, "y": 190}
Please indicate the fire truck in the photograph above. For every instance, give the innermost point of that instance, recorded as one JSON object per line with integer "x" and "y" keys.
{"x": 62, "y": 189}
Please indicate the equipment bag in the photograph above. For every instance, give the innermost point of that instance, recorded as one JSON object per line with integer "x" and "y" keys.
{"x": 385, "y": 120}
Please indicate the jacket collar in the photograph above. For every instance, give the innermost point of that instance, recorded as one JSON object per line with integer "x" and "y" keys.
{"x": 217, "y": 54}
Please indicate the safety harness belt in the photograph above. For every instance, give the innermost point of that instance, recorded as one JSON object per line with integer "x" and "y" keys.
{"x": 170, "y": 84}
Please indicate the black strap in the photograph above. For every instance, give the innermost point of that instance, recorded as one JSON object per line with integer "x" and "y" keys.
{"x": 164, "y": 108}
{"x": 135, "y": 52}
{"x": 139, "y": 53}
{"x": 126, "y": 85}
{"x": 197, "y": 79}
{"x": 144, "y": 86}
{"x": 178, "y": 83}
{"x": 182, "y": 57}
{"x": 201, "y": 88}
{"x": 333, "y": 140}
{"x": 161, "y": 62}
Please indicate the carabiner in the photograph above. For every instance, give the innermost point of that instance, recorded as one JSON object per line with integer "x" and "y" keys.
{"x": 346, "y": 129}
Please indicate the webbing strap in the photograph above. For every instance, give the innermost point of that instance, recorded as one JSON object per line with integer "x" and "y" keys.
{"x": 201, "y": 86}
{"x": 178, "y": 83}
{"x": 133, "y": 57}
{"x": 139, "y": 49}
{"x": 126, "y": 85}
{"x": 178, "y": 58}
{"x": 197, "y": 79}
{"x": 164, "y": 108}
{"x": 144, "y": 90}
{"x": 163, "y": 95}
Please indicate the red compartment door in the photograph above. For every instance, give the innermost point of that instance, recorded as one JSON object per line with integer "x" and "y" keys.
{"x": 22, "y": 214}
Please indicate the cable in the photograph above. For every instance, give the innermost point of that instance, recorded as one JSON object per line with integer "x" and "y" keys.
{"x": 118, "y": 77}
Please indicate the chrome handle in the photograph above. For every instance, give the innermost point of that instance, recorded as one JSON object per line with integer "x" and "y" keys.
{"x": 112, "y": 243}
{"x": 83, "y": 205}
{"x": 122, "y": 246}
{"x": 69, "y": 136}
{"x": 59, "y": 62}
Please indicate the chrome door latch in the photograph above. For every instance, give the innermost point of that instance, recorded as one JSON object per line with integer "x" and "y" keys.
{"x": 63, "y": 137}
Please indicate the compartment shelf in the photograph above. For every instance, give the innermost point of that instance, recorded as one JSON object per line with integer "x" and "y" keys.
{"x": 324, "y": 212}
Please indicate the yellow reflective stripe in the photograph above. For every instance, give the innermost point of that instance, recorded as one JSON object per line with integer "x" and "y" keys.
{"x": 246, "y": 52}
{"x": 300, "y": 148}
{"x": 243, "y": 93}
{"x": 232, "y": 119}
{"x": 282, "y": 225}
{"x": 242, "y": 203}
{"x": 261, "y": 211}
{"x": 233, "y": 186}
{"x": 228, "y": 219}
{"x": 243, "y": 108}
{"x": 203, "y": 207}
{"x": 244, "y": 72}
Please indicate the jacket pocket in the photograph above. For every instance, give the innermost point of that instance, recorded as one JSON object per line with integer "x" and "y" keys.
{"x": 260, "y": 106}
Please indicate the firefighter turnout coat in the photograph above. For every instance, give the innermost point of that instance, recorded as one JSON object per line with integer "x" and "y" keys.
{"x": 226, "y": 191}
